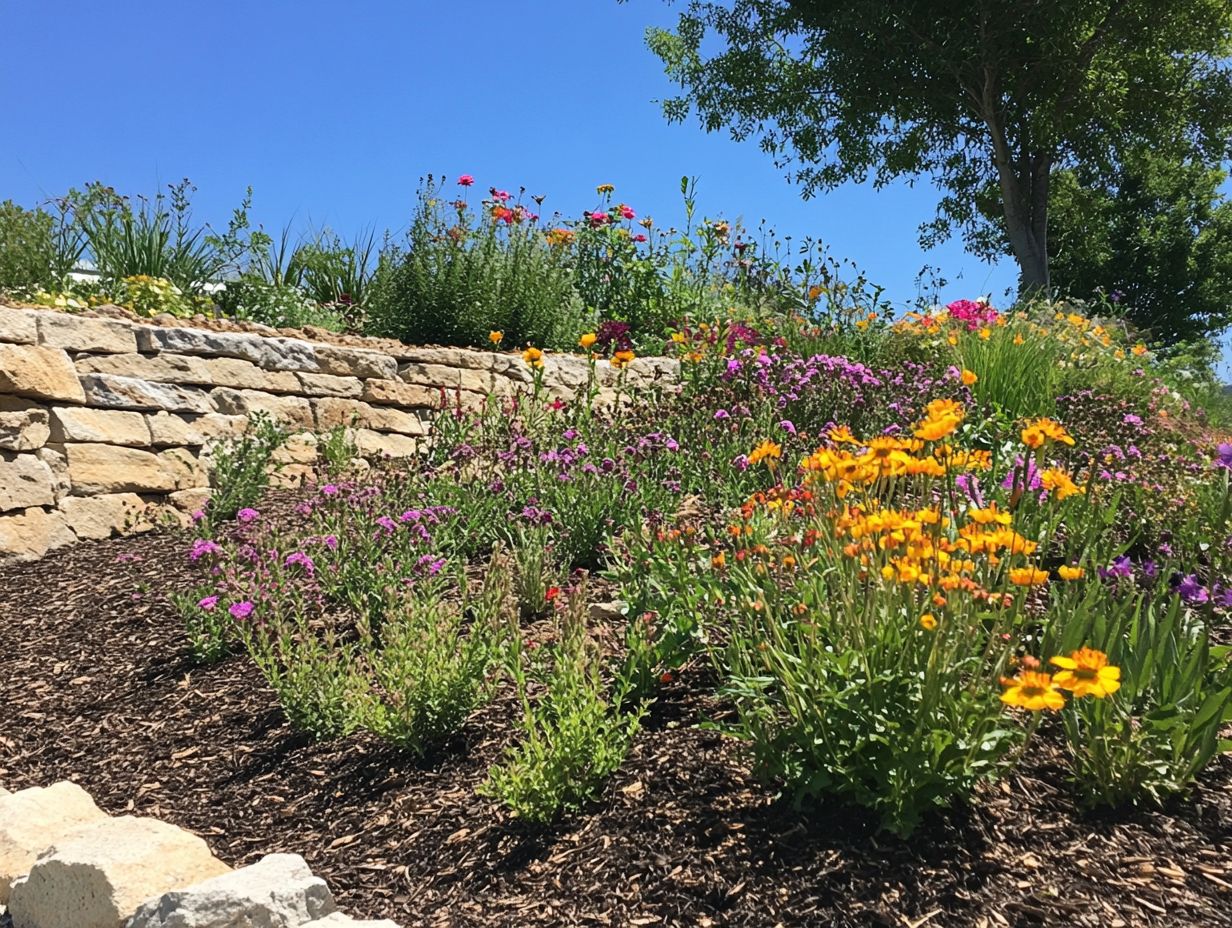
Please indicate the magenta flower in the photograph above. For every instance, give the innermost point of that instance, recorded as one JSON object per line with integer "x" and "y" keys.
{"x": 302, "y": 560}
{"x": 499, "y": 195}
{"x": 329, "y": 490}
{"x": 788, "y": 426}
{"x": 465, "y": 180}
{"x": 639, "y": 238}
{"x": 247, "y": 515}
{"x": 331, "y": 542}
{"x": 208, "y": 604}
{"x": 241, "y": 610}
{"x": 627, "y": 211}
{"x": 203, "y": 547}
{"x": 598, "y": 218}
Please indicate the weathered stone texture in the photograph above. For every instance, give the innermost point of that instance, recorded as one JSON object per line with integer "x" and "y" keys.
{"x": 105, "y": 426}
{"x": 290, "y": 410}
{"x": 25, "y": 481}
{"x": 31, "y": 533}
{"x": 32, "y": 819}
{"x": 111, "y": 391}
{"x": 79, "y": 333}
{"x": 39, "y": 373}
{"x": 94, "y": 469}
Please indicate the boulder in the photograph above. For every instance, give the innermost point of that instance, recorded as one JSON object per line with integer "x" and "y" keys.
{"x": 330, "y": 385}
{"x": 96, "y": 517}
{"x": 31, "y": 533}
{"x": 99, "y": 875}
{"x": 300, "y": 448}
{"x": 31, "y": 819}
{"x": 25, "y": 481}
{"x": 104, "y": 426}
{"x": 279, "y": 891}
{"x": 117, "y": 392}
{"x": 17, "y": 326}
{"x": 338, "y": 920}
{"x": 57, "y": 462}
{"x": 39, "y": 373}
{"x": 94, "y": 468}
{"x": 355, "y": 362}
{"x": 290, "y": 410}
{"x": 23, "y": 425}
{"x": 190, "y": 501}
{"x": 399, "y": 393}
{"x": 78, "y": 333}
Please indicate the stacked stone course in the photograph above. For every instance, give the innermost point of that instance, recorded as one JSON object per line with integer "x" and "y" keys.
{"x": 105, "y": 423}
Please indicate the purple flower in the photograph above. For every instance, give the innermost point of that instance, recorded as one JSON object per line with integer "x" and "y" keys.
{"x": 241, "y": 610}
{"x": 722, "y": 414}
{"x": 208, "y": 604}
{"x": 969, "y": 484}
{"x": 329, "y": 490}
{"x": 247, "y": 515}
{"x": 331, "y": 542}
{"x": 1120, "y": 567}
{"x": 741, "y": 462}
{"x": 1223, "y": 455}
{"x": 431, "y": 565}
{"x": 301, "y": 559}
{"x": 203, "y": 547}
{"x": 388, "y": 524}
{"x": 197, "y": 516}
{"x": 788, "y": 426}
{"x": 1191, "y": 590}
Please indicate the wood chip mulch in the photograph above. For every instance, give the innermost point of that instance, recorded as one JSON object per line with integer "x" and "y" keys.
{"x": 95, "y": 686}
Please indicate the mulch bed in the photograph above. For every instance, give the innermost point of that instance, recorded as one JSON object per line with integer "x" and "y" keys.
{"x": 96, "y": 687}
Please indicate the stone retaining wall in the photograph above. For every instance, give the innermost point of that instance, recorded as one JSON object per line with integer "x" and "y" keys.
{"x": 107, "y": 422}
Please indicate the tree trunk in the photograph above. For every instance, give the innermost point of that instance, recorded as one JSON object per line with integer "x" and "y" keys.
{"x": 1024, "y": 199}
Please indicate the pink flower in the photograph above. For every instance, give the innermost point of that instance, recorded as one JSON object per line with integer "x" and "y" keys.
{"x": 208, "y": 604}
{"x": 598, "y": 218}
{"x": 241, "y": 610}
{"x": 247, "y": 515}
{"x": 501, "y": 195}
{"x": 329, "y": 490}
{"x": 627, "y": 211}
{"x": 465, "y": 180}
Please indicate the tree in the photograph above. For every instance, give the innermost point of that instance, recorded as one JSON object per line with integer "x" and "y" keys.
{"x": 970, "y": 93}
{"x": 1155, "y": 236}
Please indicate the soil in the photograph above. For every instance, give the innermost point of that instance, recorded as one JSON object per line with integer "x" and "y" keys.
{"x": 96, "y": 686}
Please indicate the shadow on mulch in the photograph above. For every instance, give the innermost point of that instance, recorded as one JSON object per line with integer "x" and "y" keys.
{"x": 97, "y": 687}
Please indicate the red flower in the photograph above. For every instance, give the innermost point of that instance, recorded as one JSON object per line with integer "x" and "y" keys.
{"x": 666, "y": 677}
{"x": 639, "y": 237}
{"x": 552, "y": 593}
{"x": 627, "y": 211}
{"x": 502, "y": 214}
{"x": 465, "y": 180}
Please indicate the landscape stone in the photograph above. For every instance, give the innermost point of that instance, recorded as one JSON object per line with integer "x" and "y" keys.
{"x": 97, "y": 517}
{"x": 23, "y": 425}
{"x": 107, "y": 426}
{"x": 117, "y": 392}
{"x": 330, "y": 385}
{"x": 99, "y": 875}
{"x": 186, "y": 469}
{"x": 32, "y": 533}
{"x": 77, "y": 333}
{"x": 300, "y": 448}
{"x": 399, "y": 393}
{"x": 355, "y": 362}
{"x": 40, "y": 373}
{"x": 95, "y": 468}
{"x": 17, "y": 326}
{"x": 293, "y": 411}
{"x": 438, "y": 376}
{"x": 168, "y": 428}
{"x": 331, "y": 412}
{"x": 372, "y": 444}
{"x": 57, "y": 462}
{"x": 189, "y": 369}
{"x": 278, "y": 891}
{"x": 32, "y": 819}
{"x": 190, "y": 501}
{"x": 280, "y": 354}
{"x": 25, "y": 481}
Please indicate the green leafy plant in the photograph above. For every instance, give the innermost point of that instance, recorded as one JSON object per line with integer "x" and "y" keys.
{"x": 240, "y": 467}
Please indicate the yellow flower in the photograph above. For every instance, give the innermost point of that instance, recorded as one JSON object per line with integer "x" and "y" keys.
{"x": 1039, "y": 432}
{"x": 495, "y": 337}
{"x": 1070, "y": 573}
{"x": 969, "y": 378}
{"x": 985, "y": 334}
{"x": 588, "y": 339}
{"x": 1028, "y": 576}
{"x": 604, "y": 188}
{"x": 815, "y": 291}
{"x": 1032, "y": 690}
{"x": 559, "y": 237}
{"x": 1018, "y": 340}
{"x": 928, "y": 621}
{"x": 1057, "y": 481}
{"x": 622, "y": 359}
{"x": 768, "y": 451}
{"x": 533, "y": 356}
{"x": 1138, "y": 350}
{"x": 1086, "y": 672}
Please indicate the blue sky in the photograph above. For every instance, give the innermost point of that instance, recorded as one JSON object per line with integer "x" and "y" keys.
{"x": 333, "y": 111}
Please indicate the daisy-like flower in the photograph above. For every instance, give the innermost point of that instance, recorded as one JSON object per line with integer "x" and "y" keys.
{"x": 1028, "y": 576}
{"x": 1066, "y": 572}
{"x": 1086, "y": 672}
{"x": 622, "y": 358}
{"x": 1032, "y": 690}
{"x": 533, "y": 356}
{"x": 496, "y": 336}
{"x": 1039, "y": 432}
{"x": 767, "y": 451}
{"x": 588, "y": 340}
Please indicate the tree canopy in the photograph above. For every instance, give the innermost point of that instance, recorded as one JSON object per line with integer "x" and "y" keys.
{"x": 977, "y": 95}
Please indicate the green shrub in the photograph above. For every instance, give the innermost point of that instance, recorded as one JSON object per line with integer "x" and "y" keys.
{"x": 277, "y": 305}
{"x": 27, "y": 249}
{"x": 239, "y": 471}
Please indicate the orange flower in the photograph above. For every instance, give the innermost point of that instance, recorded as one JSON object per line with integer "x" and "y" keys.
{"x": 533, "y": 356}
{"x": 1028, "y": 576}
{"x": 496, "y": 336}
{"x": 622, "y": 359}
{"x": 1086, "y": 672}
{"x": 1032, "y": 690}
{"x": 768, "y": 451}
{"x": 588, "y": 339}
{"x": 969, "y": 378}
{"x": 928, "y": 621}
{"x": 1038, "y": 432}
{"x": 1067, "y": 572}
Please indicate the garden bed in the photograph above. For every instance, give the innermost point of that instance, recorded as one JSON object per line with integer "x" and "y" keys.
{"x": 98, "y": 687}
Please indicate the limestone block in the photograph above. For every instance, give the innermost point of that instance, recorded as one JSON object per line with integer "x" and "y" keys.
{"x": 372, "y": 444}
{"x": 290, "y": 410}
{"x": 338, "y": 920}
{"x": 355, "y": 362}
{"x": 278, "y": 891}
{"x": 438, "y": 375}
{"x": 292, "y": 475}
{"x": 106, "y": 426}
{"x": 171, "y": 429}
{"x": 103, "y": 516}
{"x": 57, "y": 462}
{"x": 398, "y": 393}
{"x": 185, "y": 468}
{"x": 25, "y": 481}
{"x": 297, "y": 449}
{"x": 117, "y": 392}
{"x": 32, "y": 819}
{"x": 276, "y": 354}
{"x": 97, "y": 877}
{"x": 17, "y": 326}
{"x": 456, "y": 357}
{"x": 32, "y": 533}
{"x": 80, "y": 333}
{"x": 330, "y": 385}
{"x": 190, "y": 369}
{"x": 40, "y": 373}
{"x": 94, "y": 469}
{"x": 331, "y": 412}
{"x": 190, "y": 501}
{"x": 23, "y": 424}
